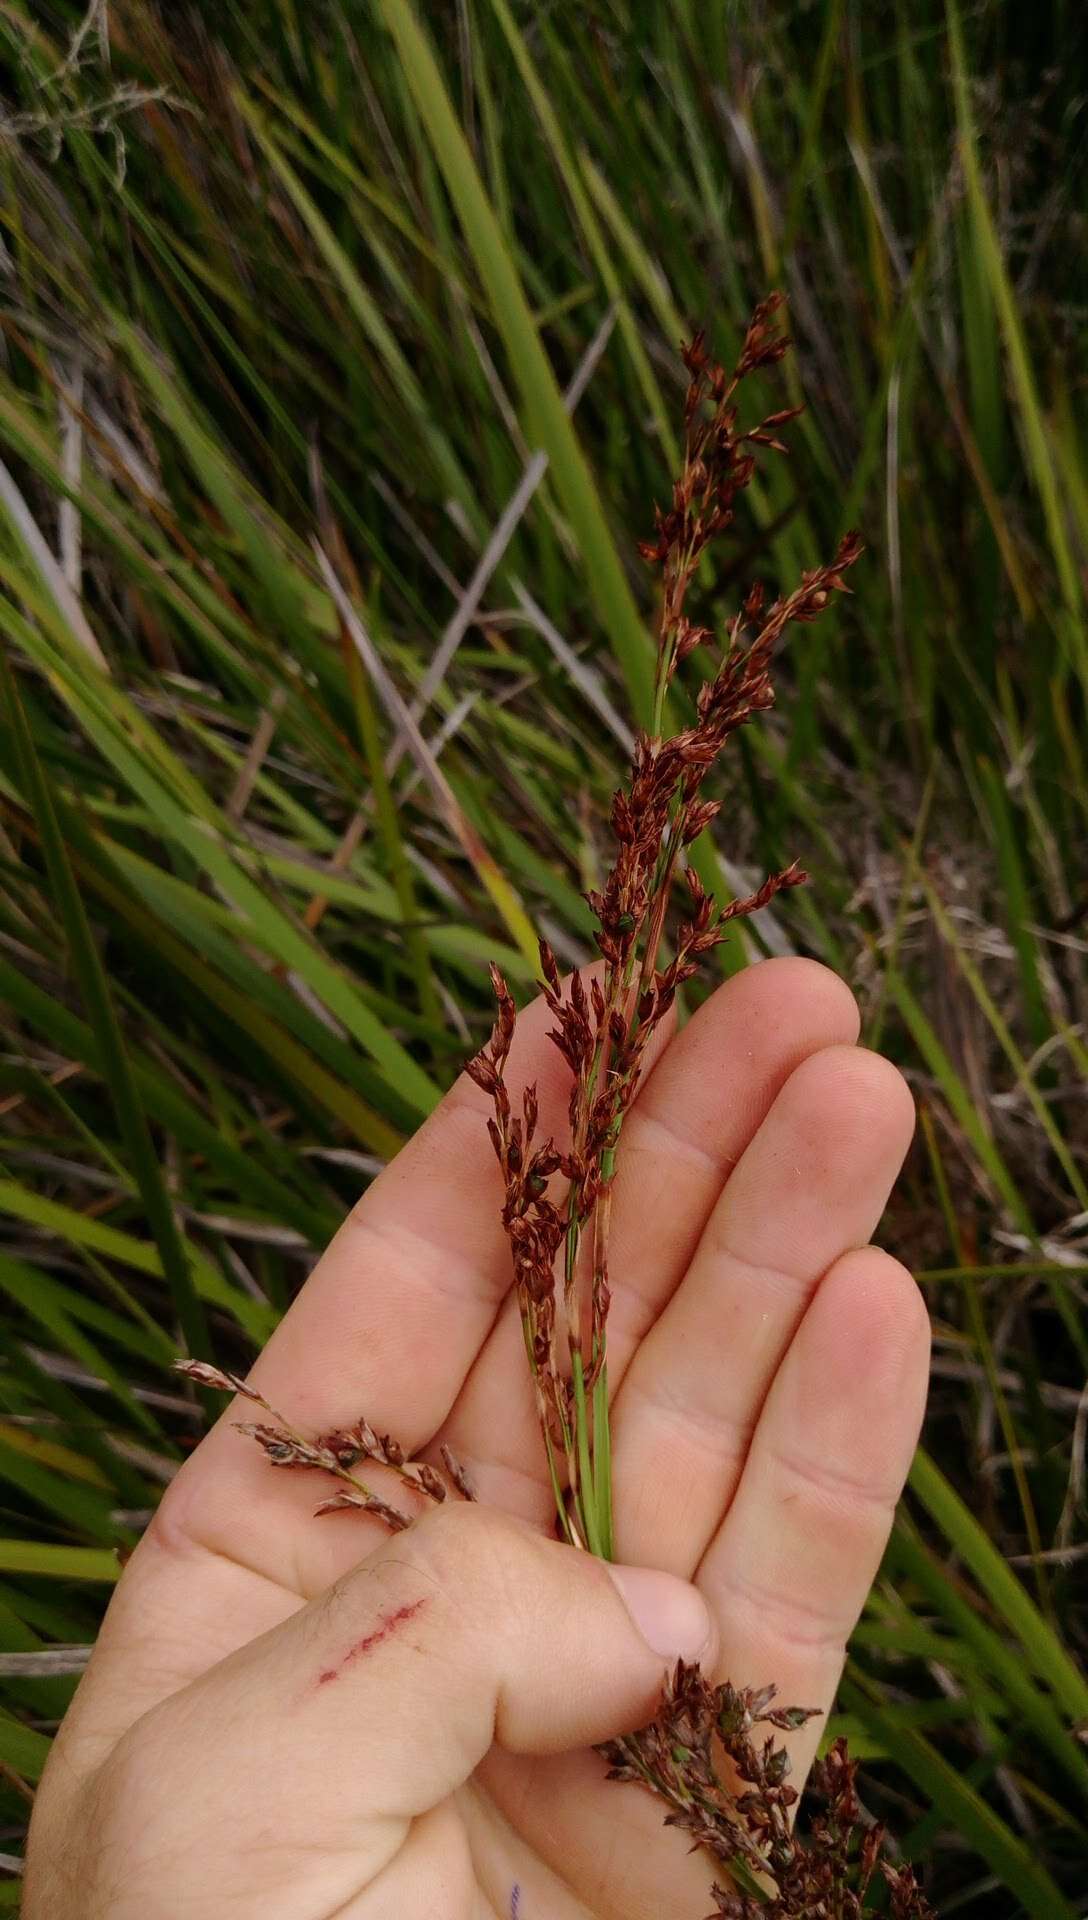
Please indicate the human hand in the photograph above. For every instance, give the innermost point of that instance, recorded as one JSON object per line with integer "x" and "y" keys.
{"x": 298, "y": 1719}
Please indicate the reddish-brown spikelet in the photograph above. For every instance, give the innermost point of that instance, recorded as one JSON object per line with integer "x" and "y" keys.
{"x": 703, "y": 1732}
{"x": 603, "y": 1031}
{"x": 335, "y": 1453}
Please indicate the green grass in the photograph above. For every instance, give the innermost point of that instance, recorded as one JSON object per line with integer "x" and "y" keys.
{"x": 279, "y": 273}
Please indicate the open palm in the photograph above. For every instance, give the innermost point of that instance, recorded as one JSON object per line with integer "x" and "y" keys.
{"x": 767, "y": 1369}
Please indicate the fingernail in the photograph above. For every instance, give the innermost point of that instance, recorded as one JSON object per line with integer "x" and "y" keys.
{"x": 672, "y": 1617}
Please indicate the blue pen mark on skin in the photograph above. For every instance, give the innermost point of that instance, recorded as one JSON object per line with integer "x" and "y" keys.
{"x": 515, "y": 1903}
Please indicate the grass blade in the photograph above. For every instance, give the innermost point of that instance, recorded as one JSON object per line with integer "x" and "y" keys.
{"x": 546, "y": 418}
{"x": 99, "y": 1002}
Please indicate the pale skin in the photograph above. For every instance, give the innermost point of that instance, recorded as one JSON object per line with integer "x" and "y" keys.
{"x": 291, "y": 1718}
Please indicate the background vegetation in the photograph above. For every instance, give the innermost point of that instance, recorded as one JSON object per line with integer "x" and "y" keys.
{"x": 270, "y": 268}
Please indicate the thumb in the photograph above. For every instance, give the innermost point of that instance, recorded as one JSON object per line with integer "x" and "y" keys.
{"x": 492, "y": 1632}
{"x": 372, "y": 1704}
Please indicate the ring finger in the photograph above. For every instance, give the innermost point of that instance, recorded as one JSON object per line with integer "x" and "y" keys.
{"x": 811, "y": 1185}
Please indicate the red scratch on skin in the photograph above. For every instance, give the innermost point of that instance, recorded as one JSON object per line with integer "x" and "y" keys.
{"x": 387, "y": 1625}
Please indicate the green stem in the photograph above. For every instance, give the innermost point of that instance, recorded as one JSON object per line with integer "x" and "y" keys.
{"x": 602, "y": 1464}
{"x": 585, "y": 1493}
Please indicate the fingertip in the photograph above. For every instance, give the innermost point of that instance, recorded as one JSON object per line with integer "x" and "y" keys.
{"x": 796, "y": 982}
{"x": 868, "y": 1329}
{"x": 741, "y": 1048}
{"x": 671, "y": 1615}
{"x": 849, "y": 1094}
{"x": 884, "y": 1295}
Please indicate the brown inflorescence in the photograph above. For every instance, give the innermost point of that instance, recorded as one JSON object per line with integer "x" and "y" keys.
{"x": 604, "y": 1024}
{"x": 729, "y": 1790}
{"x": 336, "y": 1453}
{"x": 725, "y": 1786}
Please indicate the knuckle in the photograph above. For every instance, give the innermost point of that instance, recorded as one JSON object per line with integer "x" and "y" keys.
{"x": 462, "y": 1555}
{"x": 465, "y": 1541}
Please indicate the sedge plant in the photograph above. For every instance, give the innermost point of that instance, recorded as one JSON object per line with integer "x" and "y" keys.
{"x": 725, "y": 1786}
